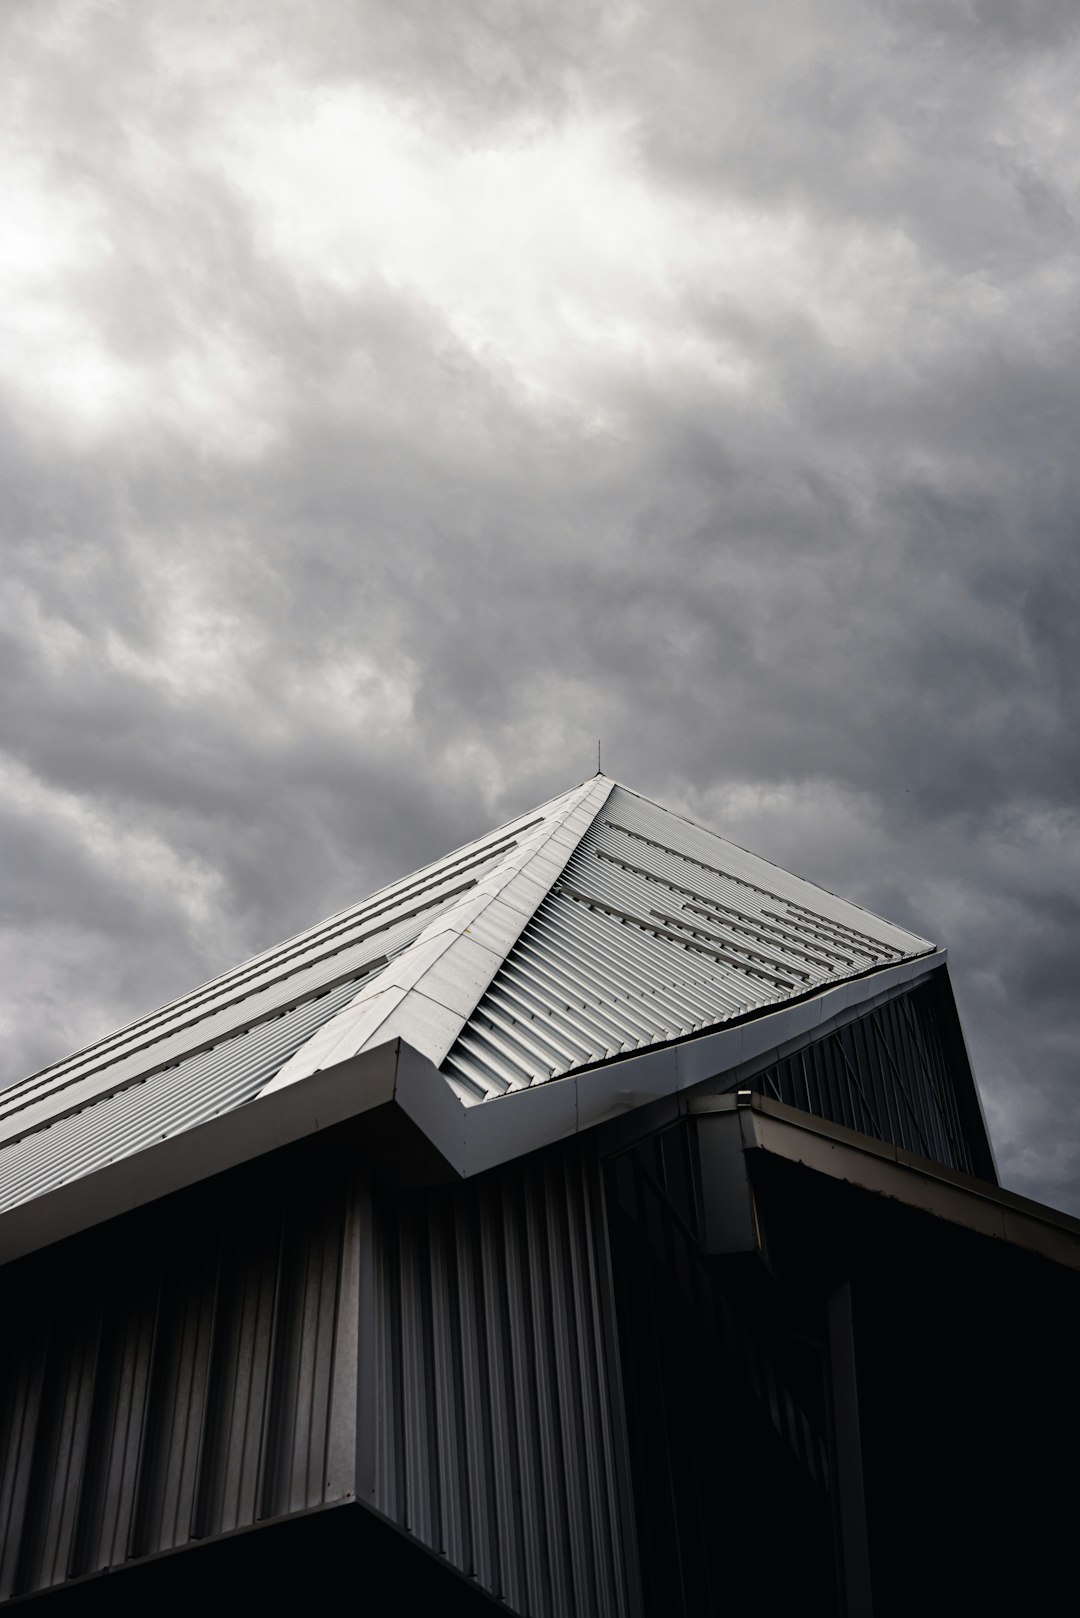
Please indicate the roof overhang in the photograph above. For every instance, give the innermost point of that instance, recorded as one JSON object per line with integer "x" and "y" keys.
{"x": 403, "y": 1115}
{"x": 733, "y": 1130}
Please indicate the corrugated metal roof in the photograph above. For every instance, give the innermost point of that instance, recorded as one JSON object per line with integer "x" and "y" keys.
{"x": 657, "y": 929}
{"x": 168, "y": 1101}
{"x": 350, "y": 945}
{"x": 427, "y": 995}
{"x": 220, "y": 1046}
{"x": 595, "y": 925}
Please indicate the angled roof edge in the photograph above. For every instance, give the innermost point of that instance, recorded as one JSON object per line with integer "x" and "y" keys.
{"x": 731, "y": 1127}
{"x": 434, "y": 872}
{"x": 429, "y": 993}
{"x": 657, "y": 930}
{"x": 529, "y": 1119}
{"x": 340, "y": 951}
{"x": 762, "y": 859}
{"x": 391, "y": 1077}
{"x": 594, "y": 948}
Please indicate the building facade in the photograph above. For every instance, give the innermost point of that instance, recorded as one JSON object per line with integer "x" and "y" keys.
{"x": 598, "y": 1221}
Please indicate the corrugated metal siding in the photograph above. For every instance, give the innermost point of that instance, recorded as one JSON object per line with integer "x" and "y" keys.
{"x": 886, "y": 1074}
{"x": 726, "y": 1406}
{"x": 657, "y": 929}
{"x": 207, "y": 1382}
{"x": 499, "y": 1433}
{"x": 232, "y": 1356}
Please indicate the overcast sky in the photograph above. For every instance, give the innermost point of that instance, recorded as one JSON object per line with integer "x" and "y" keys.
{"x": 396, "y": 398}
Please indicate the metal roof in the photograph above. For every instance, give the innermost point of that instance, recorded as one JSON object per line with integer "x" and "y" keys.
{"x": 173, "y": 1099}
{"x": 591, "y": 927}
{"x": 656, "y": 930}
{"x": 354, "y": 945}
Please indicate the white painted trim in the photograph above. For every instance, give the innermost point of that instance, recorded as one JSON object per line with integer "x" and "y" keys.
{"x": 427, "y": 995}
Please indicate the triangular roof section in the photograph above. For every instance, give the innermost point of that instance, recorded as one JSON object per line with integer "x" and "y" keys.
{"x": 593, "y": 930}
{"x": 428, "y": 993}
{"x": 612, "y": 926}
{"x": 656, "y": 930}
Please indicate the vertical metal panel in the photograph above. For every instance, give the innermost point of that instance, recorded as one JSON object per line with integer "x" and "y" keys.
{"x": 206, "y": 1381}
{"x": 187, "y": 1372}
{"x": 884, "y": 1074}
{"x": 24, "y": 1369}
{"x": 109, "y": 1486}
{"x": 178, "y": 1386}
{"x": 493, "y": 1302}
{"x": 298, "y": 1406}
{"x": 723, "y": 1401}
{"x": 500, "y": 1437}
{"x": 233, "y": 1446}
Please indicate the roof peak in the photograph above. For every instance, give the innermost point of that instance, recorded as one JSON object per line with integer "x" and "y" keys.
{"x": 593, "y": 927}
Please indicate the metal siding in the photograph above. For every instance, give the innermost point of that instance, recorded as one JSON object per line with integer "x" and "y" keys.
{"x": 499, "y": 1424}
{"x": 711, "y": 1389}
{"x": 193, "y": 1391}
{"x": 886, "y": 1075}
{"x": 215, "y": 1378}
{"x": 657, "y": 929}
{"x": 24, "y": 1368}
{"x": 230, "y": 1494}
{"x": 494, "y": 1313}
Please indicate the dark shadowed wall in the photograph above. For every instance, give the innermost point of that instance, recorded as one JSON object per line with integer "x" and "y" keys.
{"x": 286, "y": 1338}
{"x": 500, "y": 1439}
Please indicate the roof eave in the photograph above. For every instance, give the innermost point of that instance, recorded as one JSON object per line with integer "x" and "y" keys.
{"x": 731, "y": 1127}
{"x": 401, "y": 1102}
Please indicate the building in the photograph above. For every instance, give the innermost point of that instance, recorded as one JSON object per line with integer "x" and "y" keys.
{"x": 599, "y": 1221}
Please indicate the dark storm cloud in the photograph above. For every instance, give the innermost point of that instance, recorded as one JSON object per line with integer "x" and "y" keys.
{"x": 329, "y": 544}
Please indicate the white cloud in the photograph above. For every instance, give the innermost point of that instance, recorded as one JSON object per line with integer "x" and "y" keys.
{"x": 390, "y": 409}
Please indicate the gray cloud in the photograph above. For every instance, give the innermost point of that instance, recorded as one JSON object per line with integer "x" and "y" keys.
{"x": 390, "y": 411}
